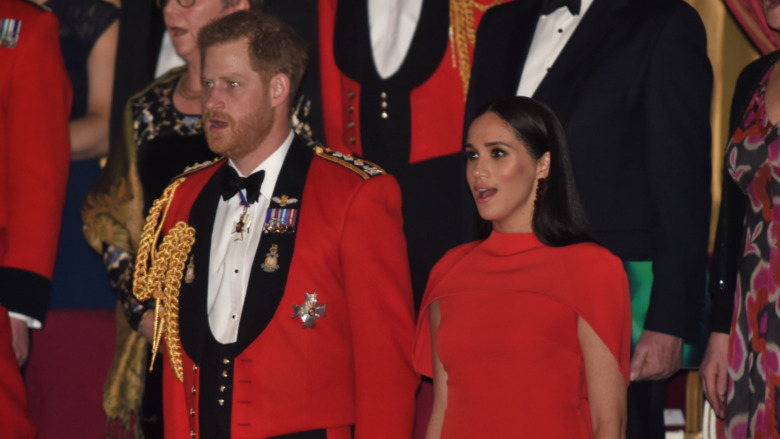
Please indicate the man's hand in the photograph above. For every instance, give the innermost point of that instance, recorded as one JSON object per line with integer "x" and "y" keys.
{"x": 656, "y": 356}
{"x": 20, "y": 340}
{"x": 714, "y": 372}
{"x": 146, "y": 326}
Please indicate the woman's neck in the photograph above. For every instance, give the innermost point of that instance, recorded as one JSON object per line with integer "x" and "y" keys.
{"x": 186, "y": 98}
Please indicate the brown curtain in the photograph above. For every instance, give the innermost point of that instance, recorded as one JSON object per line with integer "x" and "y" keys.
{"x": 730, "y": 50}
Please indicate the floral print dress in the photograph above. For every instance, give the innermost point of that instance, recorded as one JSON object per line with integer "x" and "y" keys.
{"x": 753, "y": 160}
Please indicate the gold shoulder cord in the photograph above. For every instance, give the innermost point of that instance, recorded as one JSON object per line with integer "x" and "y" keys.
{"x": 158, "y": 274}
{"x": 463, "y": 35}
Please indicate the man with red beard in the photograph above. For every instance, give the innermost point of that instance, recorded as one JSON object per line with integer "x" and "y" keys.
{"x": 294, "y": 317}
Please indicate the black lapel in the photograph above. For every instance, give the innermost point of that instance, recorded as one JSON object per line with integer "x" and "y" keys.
{"x": 265, "y": 289}
{"x": 523, "y": 17}
{"x": 353, "y": 53}
{"x": 193, "y": 315}
{"x": 599, "y": 20}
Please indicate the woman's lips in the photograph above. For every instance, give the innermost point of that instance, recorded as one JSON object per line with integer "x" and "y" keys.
{"x": 484, "y": 194}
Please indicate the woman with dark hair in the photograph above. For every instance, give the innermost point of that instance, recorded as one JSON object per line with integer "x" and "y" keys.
{"x": 525, "y": 333}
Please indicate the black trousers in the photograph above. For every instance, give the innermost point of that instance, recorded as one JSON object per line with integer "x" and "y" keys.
{"x": 646, "y": 400}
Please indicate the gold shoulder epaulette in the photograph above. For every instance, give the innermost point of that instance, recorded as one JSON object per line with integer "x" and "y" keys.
{"x": 360, "y": 166}
{"x": 40, "y": 5}
{"x": 196, "y": 167}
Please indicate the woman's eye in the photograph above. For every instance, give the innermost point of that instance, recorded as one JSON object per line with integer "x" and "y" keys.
{"x": 470, "y": 155}
{"x": 497, "y": 153}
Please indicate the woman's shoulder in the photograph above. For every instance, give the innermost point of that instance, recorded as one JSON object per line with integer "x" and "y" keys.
{"x": 455, "y": 254}
{"x": 593, "y": 263}
{"x": 589, "y": 251}
{"x": 160, "y": 88}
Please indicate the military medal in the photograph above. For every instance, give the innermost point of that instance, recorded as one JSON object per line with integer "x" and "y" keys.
{"x": 242, "y": 225}
{"x": 284, "y": 200}
{"x": 271, "y": 261}
{"x": 9, "y": 32}
{"x": 189, "y": 275}
{"x": 310, "y": 311}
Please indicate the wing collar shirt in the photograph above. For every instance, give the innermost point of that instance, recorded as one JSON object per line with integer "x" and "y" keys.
{"x": 550, "y": 37}
{"x": 232, "y": 254}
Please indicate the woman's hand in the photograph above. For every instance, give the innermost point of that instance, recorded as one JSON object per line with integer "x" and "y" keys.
{"x": 714, "y": 372}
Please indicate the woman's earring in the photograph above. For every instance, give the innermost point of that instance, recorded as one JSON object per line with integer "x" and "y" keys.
{"x": 539, "y": 191}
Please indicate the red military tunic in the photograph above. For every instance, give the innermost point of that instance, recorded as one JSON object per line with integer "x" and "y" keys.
{"x": 35, "y": 100}
{"x": 353, "y": 368}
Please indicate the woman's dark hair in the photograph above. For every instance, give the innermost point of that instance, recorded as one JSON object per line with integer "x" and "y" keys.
{"x": 558, "y": 217}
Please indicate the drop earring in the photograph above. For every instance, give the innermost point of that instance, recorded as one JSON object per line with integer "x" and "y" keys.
{"x": 539, "y": 191}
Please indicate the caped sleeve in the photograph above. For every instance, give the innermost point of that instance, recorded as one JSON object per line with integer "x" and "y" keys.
{"x": 423, "y": 362}
{"x": 603, "y": 300}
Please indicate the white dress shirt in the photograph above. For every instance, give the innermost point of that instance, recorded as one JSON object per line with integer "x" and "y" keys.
{"x": 391, "y": 25}
{"x": 552, "y": 33}
{"x": 231, "y": 255}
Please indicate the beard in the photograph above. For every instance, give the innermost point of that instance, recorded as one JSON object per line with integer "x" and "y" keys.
{"x": 243, "y": 136}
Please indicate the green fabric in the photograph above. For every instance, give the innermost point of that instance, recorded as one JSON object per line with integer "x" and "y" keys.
{"x": 640, "y": 282}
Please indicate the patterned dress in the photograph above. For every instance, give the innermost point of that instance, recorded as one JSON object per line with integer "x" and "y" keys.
{"x": 753, "y": 160}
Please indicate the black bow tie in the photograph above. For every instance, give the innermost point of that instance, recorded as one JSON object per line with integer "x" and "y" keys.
{"x": 233, "y": 183}
{"x": 550, "y": 6}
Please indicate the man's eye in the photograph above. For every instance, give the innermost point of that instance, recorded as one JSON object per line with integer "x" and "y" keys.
{"x": 233, "y": 84}
{"x": 208, "y": 84}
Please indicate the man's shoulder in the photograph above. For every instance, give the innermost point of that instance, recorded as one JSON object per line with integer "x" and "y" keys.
{"x": 200, "y": 170}
{"x": 347, "y": 162}
{"x": 24, "y": 8}
{"x": 24, "y": 20}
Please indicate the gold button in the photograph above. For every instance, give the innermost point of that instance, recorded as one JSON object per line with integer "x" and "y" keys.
{"x": 224, "y": 374}
{"x": 352, "y": 139}
{"x": 192, "y": 433}
{"x": 225, "y": 361}
{"x": 351, "y": 94}
{"x": 384, "y": 115}
{"x": 384, "y": 105}
{"x": 221, "y": 388}
{"x": 221, "y": 401}
{"x": 350, "y": 109}
{"x": 383, "y": 95}
{"x": 350, "y": 124}
{"x": 192, "y": 412}
{"x": 193, "y": 390}
{"x": 194, "y": 367}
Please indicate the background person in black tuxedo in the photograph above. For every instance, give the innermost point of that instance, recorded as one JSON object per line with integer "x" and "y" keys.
{"x": 630, "y": 81}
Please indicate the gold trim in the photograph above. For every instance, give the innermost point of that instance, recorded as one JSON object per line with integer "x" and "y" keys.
{"x": 327, "y": 154}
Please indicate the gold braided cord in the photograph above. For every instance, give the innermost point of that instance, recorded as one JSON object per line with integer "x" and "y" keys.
{"x": 158, "y": 273}
{"x": 142, "y": 288}
{"x": 463, "y": 34}
{"x": 169, "y": 265}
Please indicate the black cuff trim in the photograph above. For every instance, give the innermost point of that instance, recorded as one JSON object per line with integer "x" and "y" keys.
{"x": 25, "y": 292}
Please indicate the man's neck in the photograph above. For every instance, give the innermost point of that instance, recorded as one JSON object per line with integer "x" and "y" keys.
{"x": 268, "y": 146}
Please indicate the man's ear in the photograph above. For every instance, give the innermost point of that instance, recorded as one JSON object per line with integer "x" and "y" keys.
{"x": 279, "y": 88}
{"x": 242, "y": 5}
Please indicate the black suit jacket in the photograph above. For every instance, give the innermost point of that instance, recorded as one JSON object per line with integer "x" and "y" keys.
{"x": 632, "y": 90}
